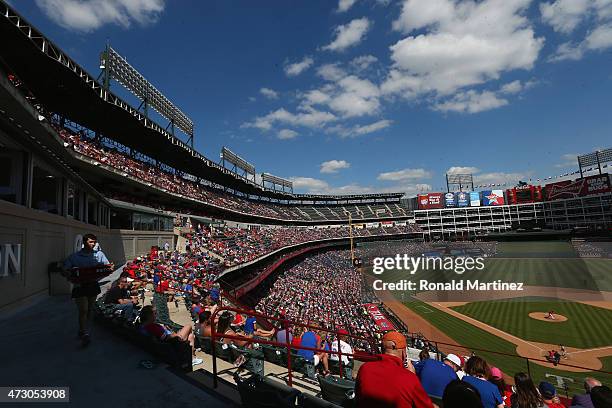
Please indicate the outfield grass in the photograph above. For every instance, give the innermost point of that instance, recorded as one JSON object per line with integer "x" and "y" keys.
{"x": 543, "y": 249}
{"x": 587, "y": 326}
{"x": 510, "y": 363}
{"x": 591, "y": 274}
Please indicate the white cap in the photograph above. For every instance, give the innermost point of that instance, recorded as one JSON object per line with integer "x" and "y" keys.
{"x": 453, "y": 359}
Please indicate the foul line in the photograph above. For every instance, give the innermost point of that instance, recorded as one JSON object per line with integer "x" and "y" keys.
{"x": 481, "y": 324}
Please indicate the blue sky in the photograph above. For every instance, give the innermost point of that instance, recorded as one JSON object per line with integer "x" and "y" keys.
{"x": 348, "y": 96}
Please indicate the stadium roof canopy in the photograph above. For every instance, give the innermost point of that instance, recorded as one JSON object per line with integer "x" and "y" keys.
{"x": 67, "y": 89}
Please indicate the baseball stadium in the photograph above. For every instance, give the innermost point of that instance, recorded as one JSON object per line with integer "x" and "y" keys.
{"x": 200, "y": 280}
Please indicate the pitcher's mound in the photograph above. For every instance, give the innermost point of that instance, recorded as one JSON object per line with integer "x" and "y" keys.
{"x": 541, "y": 316}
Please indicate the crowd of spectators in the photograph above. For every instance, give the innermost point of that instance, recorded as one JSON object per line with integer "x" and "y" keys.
{"x": 455, "y": 382}
{"x": 586, "y": 249}
{"x": 239, "y": 245}
{"x": 187, "y": 186}
{"x": 324, "y": 290}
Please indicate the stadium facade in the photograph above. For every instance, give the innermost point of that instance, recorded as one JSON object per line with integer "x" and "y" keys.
{"x": 75, "y": 158}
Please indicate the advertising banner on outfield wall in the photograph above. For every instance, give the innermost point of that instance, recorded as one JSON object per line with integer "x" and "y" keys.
{"x": 431, "y": 201}
{"x": 379, "y": 318}
{"x": 474, "y": 199}
{"x": 492, "y": 197}
{"x": 585, "y": 186}
{"x": 449, "y": 200}
{"x": 463, "y": 199}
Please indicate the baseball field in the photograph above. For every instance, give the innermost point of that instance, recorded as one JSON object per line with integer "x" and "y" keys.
{"x": 508, "y": 327}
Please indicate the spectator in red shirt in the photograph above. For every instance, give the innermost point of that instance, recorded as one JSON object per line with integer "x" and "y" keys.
{"x": 386, "y": 383}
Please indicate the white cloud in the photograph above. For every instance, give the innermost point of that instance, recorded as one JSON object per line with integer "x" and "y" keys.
{"x": 372, "y": 127}
{"x": 500, "y": 178}
{"x": 459, "y": 45}
{"x": 357, "y": 97}
{"x": 462, "y": 170}
{"x": 564, "y": 15}
{"x": 567, "y": 51}
{"x": 363, "y": 62}
{"x": 333, "y": 166}
{"x": 297, "y": 68}
{"x": 347, "y": 95}
{"x": 359, "y": 130}
{"x": 404, "y": 174}
{"x": 568, "y": 160}
{"x": 600, "y": 38}
{"x": 310, "y": 117}
{"x": 89, "y": 15}
{"x": 331, "y": 72}
{"x": 488, "y": 178}
{"x": 269, "y": 93}
{"x": 318, "y": 186}
{"x": 471, "y": 102}
{"x": 344, "y": 5}
{"x": 310, "y": 184}
{"x": 286, "y": 134}
{"x": 512, "y": 87}
{"x": 349, "y": 35}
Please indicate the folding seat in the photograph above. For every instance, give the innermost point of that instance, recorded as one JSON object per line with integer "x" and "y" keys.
{"x": 261, "y": 392}
{"x": 310, "y": 401}
{"x": 337, "y": 390}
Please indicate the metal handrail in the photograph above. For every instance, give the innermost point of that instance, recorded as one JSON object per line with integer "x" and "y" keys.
{"x": 286, "y": 323}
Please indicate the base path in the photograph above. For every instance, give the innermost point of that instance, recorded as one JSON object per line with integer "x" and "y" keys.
{"x": 534, "y": 350}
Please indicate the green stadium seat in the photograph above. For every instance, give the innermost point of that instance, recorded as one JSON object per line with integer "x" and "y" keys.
{"x": 337, "y": 390}
{"x": 310, "y": 401}
{"x": 273, "y": 355}
{"x": 261, "y": 392}
{"x": 223, "y": 351}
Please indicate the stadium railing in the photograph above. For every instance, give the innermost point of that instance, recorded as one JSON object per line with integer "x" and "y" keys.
{"x": 286, "y": 324}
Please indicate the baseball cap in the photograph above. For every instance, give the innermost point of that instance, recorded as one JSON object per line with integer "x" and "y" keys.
{"x": 342, "y": 332}
{"x": 397, "y": 338}
{"x": 496, "y": 373}
{"x": 547, "y": 389}
{"x": 453, "y": 359}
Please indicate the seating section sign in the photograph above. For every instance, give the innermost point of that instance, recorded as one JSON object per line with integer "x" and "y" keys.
{"x": 379, "y": 318}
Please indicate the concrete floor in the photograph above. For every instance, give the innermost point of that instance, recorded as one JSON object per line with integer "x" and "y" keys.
{"x": 39, "y": 347}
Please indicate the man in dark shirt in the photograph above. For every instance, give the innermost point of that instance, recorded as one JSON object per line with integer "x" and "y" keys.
{"x": 119, "y": 296}
{"x": 584, "y": 400}
{"x": 386, "y": 383}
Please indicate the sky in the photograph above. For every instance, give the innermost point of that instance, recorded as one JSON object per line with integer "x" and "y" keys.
{"x": 365, "y": 96}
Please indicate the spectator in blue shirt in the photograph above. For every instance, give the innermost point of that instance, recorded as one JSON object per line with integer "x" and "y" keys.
{"x": 478, "y": 372}
{"x": 84, "y": 294}
{"x": 249, "y": 325}
{"x": 312, "y": 340}
{"x": 436, "y": 375}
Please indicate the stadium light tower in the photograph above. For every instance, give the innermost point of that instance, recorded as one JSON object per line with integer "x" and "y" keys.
{"x": 460, "y": 180}
{"x": 114, "y": 66}
{"x": 596, "y": 158}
